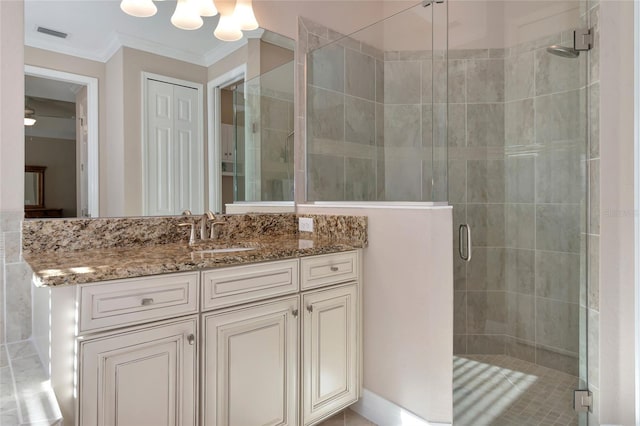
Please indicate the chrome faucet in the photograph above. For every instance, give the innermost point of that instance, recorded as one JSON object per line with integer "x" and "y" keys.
{"x": 206, "y": 217}
{"x": 192, "y": 234}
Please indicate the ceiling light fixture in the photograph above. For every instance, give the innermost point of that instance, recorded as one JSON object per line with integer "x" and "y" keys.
{"x": 29, "y": 119}
{"x": 244, "y": 16}
{"x": 188, "y": 16}
{"x": 228, "y": 29}
{"x": 139, "y": 8}
{"x": 206, "y": 7}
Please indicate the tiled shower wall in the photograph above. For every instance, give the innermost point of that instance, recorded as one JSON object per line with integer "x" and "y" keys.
{"x": 369, "y": 131}
{"x": 516, "y": 149}
{"x": 268, "y": 150}
{"x": 346, "y": 101}
{"x": 277, "y": 146}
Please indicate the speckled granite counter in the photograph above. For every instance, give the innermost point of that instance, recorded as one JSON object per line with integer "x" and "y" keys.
{"x": 83, "y": 266}
{"x": 54, "y": 267}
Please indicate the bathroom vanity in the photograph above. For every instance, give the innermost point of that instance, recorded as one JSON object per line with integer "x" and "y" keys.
{"x": 268, "y": 334}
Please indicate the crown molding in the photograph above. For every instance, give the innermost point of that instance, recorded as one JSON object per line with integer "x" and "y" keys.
{"x": 56, "y": 46}
{"x": 160, "y": 49}
{"x": 117, "y": 41}
{"x": 223, "y": 50}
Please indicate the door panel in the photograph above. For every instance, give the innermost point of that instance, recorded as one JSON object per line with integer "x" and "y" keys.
{"x": 174, "y": 175}
{"x": 250, "y": 365}
{"x": 190, "y": 156}
{"x": 329, "y": 354}
{"x": 143, "y": 377}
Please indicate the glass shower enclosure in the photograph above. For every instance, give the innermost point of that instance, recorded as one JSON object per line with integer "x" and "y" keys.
{"x": 263, "y": 134}
{"x": 483, "y": 105}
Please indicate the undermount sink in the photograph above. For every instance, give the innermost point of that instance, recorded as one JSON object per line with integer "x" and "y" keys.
{"x": 224, "y": 250}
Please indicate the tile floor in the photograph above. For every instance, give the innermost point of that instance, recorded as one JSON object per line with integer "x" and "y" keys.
{"x": 26, "y": 396}
{"x": 504, "y": 391}
{"x": 347, "y": 418}
{"x": 487, "y": 390}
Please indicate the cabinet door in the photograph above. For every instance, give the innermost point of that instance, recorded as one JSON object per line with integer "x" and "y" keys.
{"x": 142, "y": 377}
{"x": 250, "y": 364}
{"x": 329, "y": 351}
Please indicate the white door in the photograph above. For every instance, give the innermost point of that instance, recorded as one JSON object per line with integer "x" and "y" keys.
{"x": 250, "y": 364}
{"x": 173, "y": 150}
{"x": 139, "y": 378}
{"x": 82, "y": 144}
{"x": 329, "y": 351}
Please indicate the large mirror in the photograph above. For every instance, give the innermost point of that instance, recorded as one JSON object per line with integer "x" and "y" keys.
{"x": 34, "y": 187}
{"x": 142, "y": 118}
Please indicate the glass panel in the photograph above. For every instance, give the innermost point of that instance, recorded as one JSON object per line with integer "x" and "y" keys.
{"x": 370, "y": 113}
{"x": 238, "y": 144}
{"x": 517, "y": 150}
{"x": 264, "y": 136}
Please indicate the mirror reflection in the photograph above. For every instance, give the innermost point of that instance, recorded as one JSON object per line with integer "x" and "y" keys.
{"x": 34, "y": 186}
{"x": 148, "y": 119}
{"x": 263, "y": 168}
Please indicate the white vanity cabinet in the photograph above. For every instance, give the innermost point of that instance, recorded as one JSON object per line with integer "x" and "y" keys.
{"x": 272, "y": 343}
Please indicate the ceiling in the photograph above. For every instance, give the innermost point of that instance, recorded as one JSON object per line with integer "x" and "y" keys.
{"x": 98, "y": 28}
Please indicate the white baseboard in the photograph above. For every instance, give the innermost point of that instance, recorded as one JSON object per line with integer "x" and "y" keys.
{"x": 383, "y": 412}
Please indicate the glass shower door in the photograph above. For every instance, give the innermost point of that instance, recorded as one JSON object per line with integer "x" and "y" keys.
{"x": 518, "y": 160}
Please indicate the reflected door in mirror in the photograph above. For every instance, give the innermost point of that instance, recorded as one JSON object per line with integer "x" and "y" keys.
{"x": 174, "y": 151}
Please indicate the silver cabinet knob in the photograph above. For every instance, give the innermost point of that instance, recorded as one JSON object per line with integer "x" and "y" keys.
{"x": 147, "y": 301}
{"x": 191, "y": 339}
{"x": 334, "y": 269}
{"x": 294, "y": 312}
{"x": 310, "y": 308}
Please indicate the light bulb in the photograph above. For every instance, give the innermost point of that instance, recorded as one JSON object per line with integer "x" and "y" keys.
{"x": 206, "y": 8}
{"x": 227, "y": 29}
{"x": 139, "y": 8}
{"x": 28, "y": 121}
{"x": 186, "y": 16}
{"x": 243, "y": 14}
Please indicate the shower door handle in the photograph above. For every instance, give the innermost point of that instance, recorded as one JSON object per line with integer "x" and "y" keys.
{"x": 466, "y": 257}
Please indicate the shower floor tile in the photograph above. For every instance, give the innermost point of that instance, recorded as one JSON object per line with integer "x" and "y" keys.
{"x": 501, "y": 390}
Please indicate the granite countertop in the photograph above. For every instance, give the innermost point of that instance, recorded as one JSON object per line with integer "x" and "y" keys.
{"x": 68, "y": 267}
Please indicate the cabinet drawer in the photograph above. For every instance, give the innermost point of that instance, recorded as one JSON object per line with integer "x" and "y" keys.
{"x": 328, "y": 269}
{"x": 231, "y": 286}
{"x": 134, "y": 301}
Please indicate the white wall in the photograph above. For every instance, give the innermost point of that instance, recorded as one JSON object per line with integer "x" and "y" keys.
{"x": 13, "y": 291}
{"x": 617, "y": 336}
{"x": 112, "y": 152}
{"x": 408, "y": 306}
{"x": 11, "y": 106}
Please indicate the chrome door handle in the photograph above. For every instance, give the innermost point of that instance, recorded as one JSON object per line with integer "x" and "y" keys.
{"x": 147, "y": 301}
{"x": 191, "y": 339}
{"x": 467, "y": 228}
